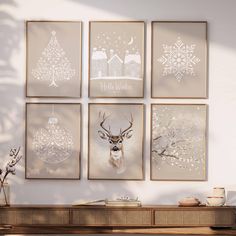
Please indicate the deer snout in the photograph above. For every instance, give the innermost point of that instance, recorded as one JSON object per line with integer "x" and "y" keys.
{"x": 115, "y": 149}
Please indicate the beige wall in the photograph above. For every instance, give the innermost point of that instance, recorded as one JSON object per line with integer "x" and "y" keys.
{"x": 222, "y": 96}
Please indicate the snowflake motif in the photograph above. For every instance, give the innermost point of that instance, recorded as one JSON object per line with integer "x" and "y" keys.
{"x": 179, "y": 59}
{"x": 53, "y": 65}
{"x": 53, "y": 144}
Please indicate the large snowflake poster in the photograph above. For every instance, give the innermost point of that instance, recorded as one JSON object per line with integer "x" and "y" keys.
{"x": 116, "y": 59}
{"x": 53, "y": 59}
{"x": 53, "y": 141}
{"x": 178, "y": 150}
{"x": 179, "y": 60}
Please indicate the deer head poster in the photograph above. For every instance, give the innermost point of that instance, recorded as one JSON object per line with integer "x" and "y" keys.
{"x": 53, "y": 58}
{"x": 116, "y": 59}
{"x": 53, "y": 141}
{"x": 179, "y": 59}
{"x": 178, "y": 148}
{"x": 116, "y": 141}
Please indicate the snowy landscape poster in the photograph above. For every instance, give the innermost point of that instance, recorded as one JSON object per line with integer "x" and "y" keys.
{"x": 53, "y": 58}
{"x": 53, "y": 140}
{"x": 179, "y": 59}
{"x": 178, "y": 141}
{"x": 116, "y": 51}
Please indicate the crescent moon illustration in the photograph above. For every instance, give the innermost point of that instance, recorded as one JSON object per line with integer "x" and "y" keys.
{"x": 131, "y": 41}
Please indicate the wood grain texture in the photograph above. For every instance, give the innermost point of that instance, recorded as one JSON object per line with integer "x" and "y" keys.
{"x": 34, "y": 217}
{"x": 101, "y": 216}
{"x": 111, "y": 217}
{"x": 194, "y": 217}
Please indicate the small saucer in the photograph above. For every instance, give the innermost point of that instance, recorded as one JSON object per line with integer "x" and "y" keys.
{"x": 188, "y": 204}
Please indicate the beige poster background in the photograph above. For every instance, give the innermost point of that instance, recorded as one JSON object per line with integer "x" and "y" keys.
{"x": 167, "y": 33}
{"x": 116, "y": 53}
{"x": 68, "y": 35}
{"x": 67, "y": 128}
{"x": 178, "y": 150}
{"x": 99, "y": 151}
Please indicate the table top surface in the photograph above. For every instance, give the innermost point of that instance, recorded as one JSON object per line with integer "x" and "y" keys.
{"x": 56, "y": 206}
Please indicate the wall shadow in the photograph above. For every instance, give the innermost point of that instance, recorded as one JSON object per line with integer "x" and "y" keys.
{"x": 11, "y": 101}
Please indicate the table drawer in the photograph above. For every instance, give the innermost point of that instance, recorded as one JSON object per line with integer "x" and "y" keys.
{"x": 34, "y": 217}
{"x": 111, "y": 217}
{"x": 209, "y": 217}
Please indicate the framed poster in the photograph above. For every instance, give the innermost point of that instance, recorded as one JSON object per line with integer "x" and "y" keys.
{"x": 53, "y": 66}
{"x": 116, "y": 59}
{"x": 115, "y": 141}
{"x": 53, "y": 140}
{"x": 178, "y": 141}
{"x": 179, "y": 59}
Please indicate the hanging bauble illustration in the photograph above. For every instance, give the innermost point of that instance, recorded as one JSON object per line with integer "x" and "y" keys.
{"x": 54, "y": 143}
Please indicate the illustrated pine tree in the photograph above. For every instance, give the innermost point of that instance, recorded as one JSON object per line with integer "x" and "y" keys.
{"x": 53, "y": 65}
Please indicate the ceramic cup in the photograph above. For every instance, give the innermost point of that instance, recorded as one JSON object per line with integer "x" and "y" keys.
{"x": 219, "y": 192}
{"x": 215, "y": 201}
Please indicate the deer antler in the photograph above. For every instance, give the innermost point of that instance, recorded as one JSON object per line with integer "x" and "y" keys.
{"x": 130, "y": 125}
{"x": 102, "y": 123}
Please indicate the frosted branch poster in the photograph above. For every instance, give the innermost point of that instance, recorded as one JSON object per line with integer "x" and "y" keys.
{"x": 178, "y": 142}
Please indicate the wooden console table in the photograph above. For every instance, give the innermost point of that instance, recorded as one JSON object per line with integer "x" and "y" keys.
{"x": 100, "y": 219}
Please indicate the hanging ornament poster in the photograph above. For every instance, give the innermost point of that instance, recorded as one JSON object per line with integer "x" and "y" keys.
{"x": 179, "y": 59}
{"x": 53, "y": 141}
{"x": 116, "y": 59}
{"x": 53, "y": 59}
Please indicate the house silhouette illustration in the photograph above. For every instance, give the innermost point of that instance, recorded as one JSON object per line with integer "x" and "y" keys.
{"x": 114, "y": 67}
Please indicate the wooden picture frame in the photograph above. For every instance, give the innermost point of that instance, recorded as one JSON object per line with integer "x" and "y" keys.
{"x": 178, "y": 142}
{"x": 116, "y": 59}
{"x": 53, "y": 140}
{"x": 53, "y": 58}
{"x": 115, "y": 141}
{"x": 179, "y": 59}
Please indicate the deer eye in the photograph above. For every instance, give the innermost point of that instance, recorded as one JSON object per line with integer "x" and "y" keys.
{"x": 120, "y": 141}
{"x": 110, "y": 141}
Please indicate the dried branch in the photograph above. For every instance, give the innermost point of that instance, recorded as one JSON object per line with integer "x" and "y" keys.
{"x": 162, "y": 153}
{"x": 10, "y": 167}
{"x": 157, "y": 138}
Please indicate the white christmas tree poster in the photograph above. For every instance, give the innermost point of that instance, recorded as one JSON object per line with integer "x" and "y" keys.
{"x": 53, "y": 59}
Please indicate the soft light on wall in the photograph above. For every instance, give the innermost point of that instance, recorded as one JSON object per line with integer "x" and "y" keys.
{"x": 222, "y": 97}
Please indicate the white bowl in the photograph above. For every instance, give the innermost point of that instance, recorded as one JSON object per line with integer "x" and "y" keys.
{"x": 215, "y": 201}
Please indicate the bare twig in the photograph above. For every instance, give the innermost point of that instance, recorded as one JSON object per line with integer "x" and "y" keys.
{"x": 10, "y": 168}
{"x": 162, "y": 153}
{"x": 157, "y": 138}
